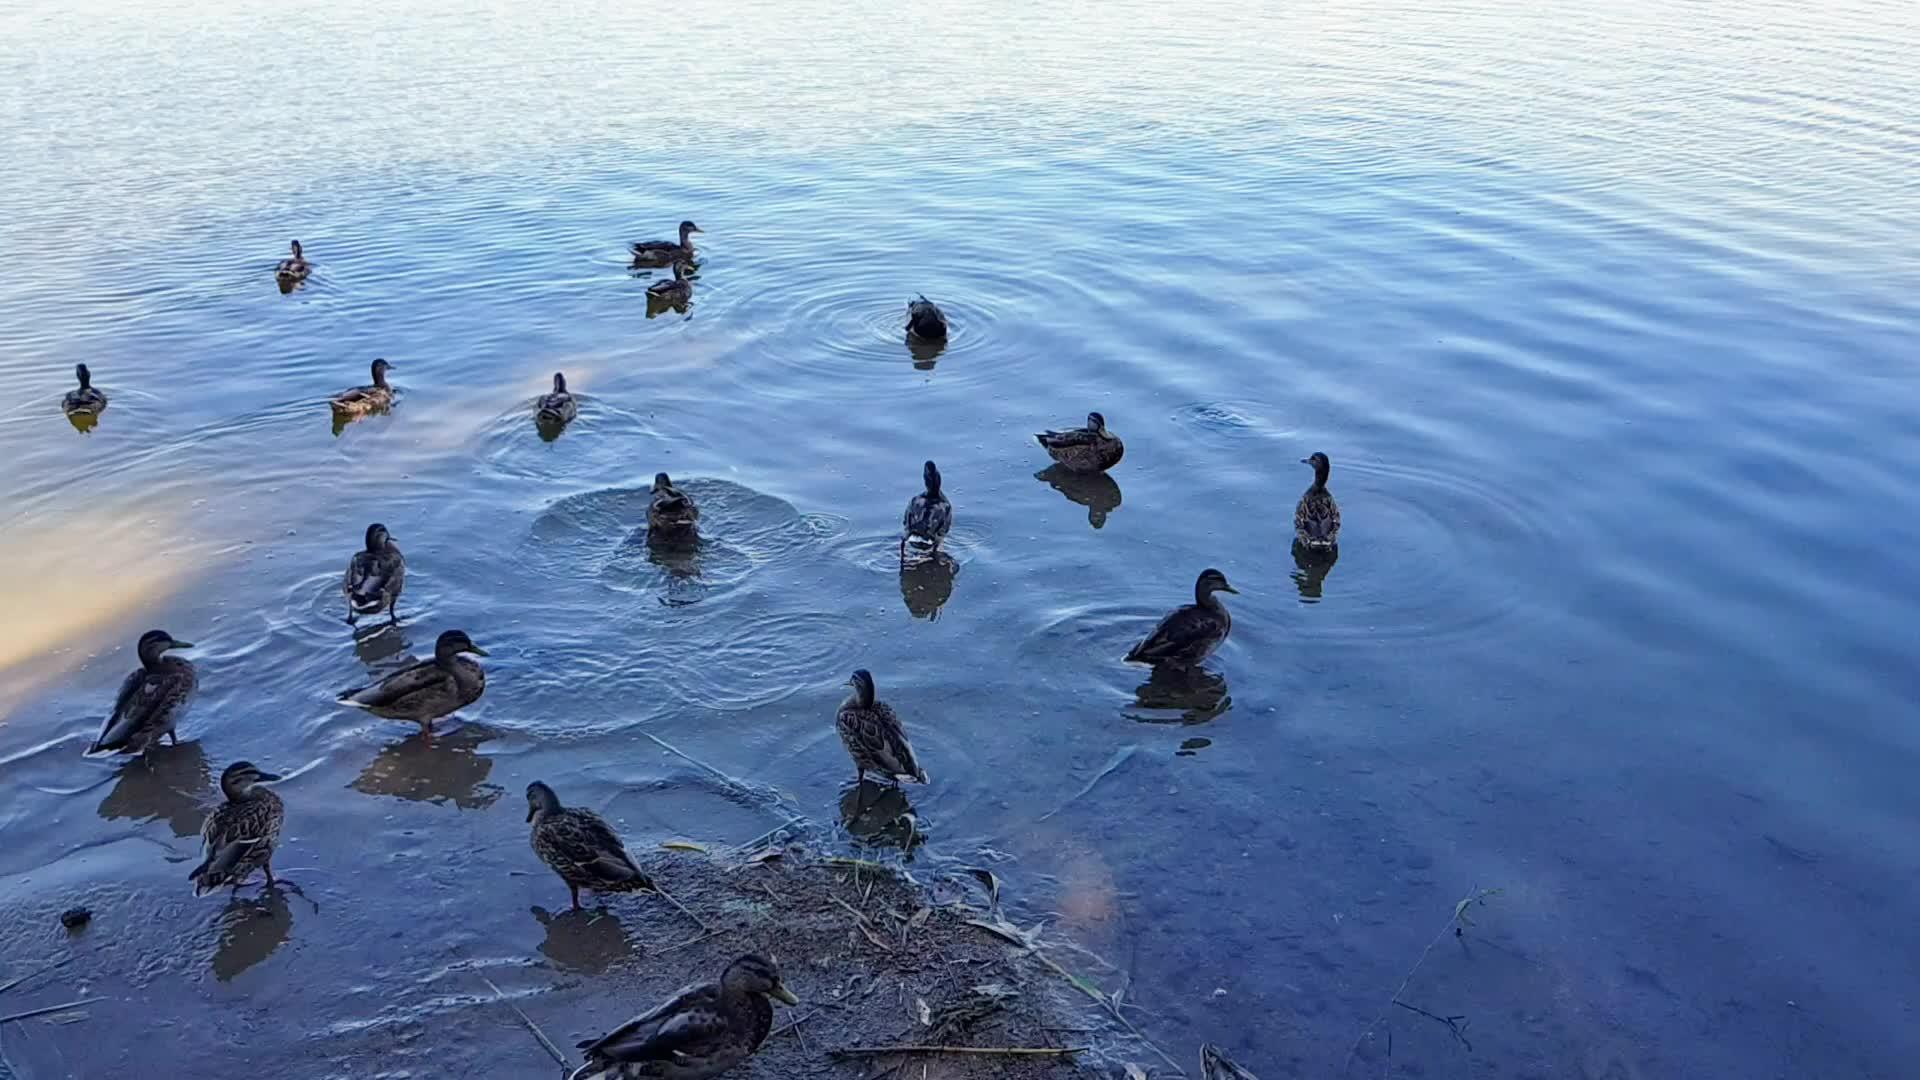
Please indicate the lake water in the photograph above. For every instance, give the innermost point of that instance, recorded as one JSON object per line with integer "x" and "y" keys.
{"x": 1605, "y": 316}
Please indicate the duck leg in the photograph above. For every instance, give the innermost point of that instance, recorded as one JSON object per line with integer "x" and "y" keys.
{"x": 392, "y": 604}
{"x": 575, "y": 890}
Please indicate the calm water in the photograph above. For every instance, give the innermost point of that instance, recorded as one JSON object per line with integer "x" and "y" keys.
{"x": 1606, "y": 318}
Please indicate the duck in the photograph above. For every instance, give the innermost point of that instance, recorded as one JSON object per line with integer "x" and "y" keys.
{"x": 1190, "y": 634}
{"x": 925, "y": 320}
{"x": 581, "y": 847}
{"x": 429, "y": 690}
{"x": 675, "y": 290}
{"x": 361, "y": 400}
{"x": 929, "y": 515}
{"x": 1216, "y": 1065}
{"x": 294, "y": 267}
{"x": 85, "y": 401}
{"x": 874, "y": 736}
{"x": 239, "y": 836}
{"x": 151, "y": 699}
{"x": 375, "y": 576}
{"x": 700, "y": 1032}
{"x": 671, "y": 513}
{"x": 558, "y": 407}
{"x": 662, "y": 252}
{"x": 1316, "y": 520}
{"x": 1091, "y": 449}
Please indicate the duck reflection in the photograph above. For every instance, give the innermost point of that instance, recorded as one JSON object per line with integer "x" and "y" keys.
{"x": 167, "y": 782}
{"x": 250, "y": 931}
{"x": 84, "y": 422}
{"x": 1098, "y": 492}
{"x": 879, "y": 814}
{"x": 548, "y": 430}
{"x": 584, "y": 940}
{"x": 678, "y": 555}
{"x": 925, "y": 352}
{"x": 1311, "y": 567}
{"x": 926, "y": 584}
{"x": 341, "y": 421}
{"x": 287, "y": 284}
{"x": 381, "y": 645}
{"x": 1191, "y": 695}
{"x": 447, "y": 768}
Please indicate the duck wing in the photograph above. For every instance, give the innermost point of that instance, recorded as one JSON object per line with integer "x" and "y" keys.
{"x": 398, "y": 687}
{"x": 589, "y": 849}
{"x": 1317, "y": 517}
{"x": 368, "y": 578}
{"x": 130, "y": 710}
{"x": 1178, "y": 636}
{"x": 1063, "y": 440}
{"x": 683, "y": 1024}
{"x": 928, "y": 517}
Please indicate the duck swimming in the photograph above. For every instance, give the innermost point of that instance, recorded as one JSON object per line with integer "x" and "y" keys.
{"x": 239, "y": 836}
{"x": 581, "y": 847}
{"x": 874, "y": 736}
{"x": 558, "y": 407}
{"x": 428, "y": 690}
{"x": 1091, "y": 449}
{"x": 86, "y": 401}
{"x": 662, "y": 252}
{"x": 151, "y": 699}
{"x": 375, "y": 576}
{"x": 676, "y": 290}
{"x": 1316, "y": 520}
{"x": 361, "y": 400}
{"x": 671, "y": 514}
{"x": 1190, "y": 634}
{"x": 699, "y": 1032}
{"x": 294, "y": 267}
{"x": 925, "y": 320}
{"x": 929, "y": 515}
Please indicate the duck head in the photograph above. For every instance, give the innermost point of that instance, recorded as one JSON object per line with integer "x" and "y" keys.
{"x": 1211, "y": 581}
{"x": 1321, "y": 467}
{"x": 559, "y": 383}
{"x": 86, "y": 377}
{"x": 862, "y": 683}
{"x": 687, "y": 229}
{"x": 236, "y": 783}
{"x": 154, "y": 643}
{"x": 452, "y": 644}
{"x": 380, "y": 369}
{"x": 931, "y": 474}
{"x": 755, "y": 974}
{"x": 378, "y": 537}
{"x": 296, "y": 250}
{"x": 1096, "y": 423}
{"x": 541, "y": 801}
{"x": 662, "y": 482}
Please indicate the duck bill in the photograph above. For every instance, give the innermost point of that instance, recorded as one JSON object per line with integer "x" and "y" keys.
{"x": 530, "y": 812}
{"x": 171, "y": 645}
{"x": 478, "y": 651}
{"x": 267, "y": 777}
{"x": 1231, "y": 589}
{"x": 780, "y": 991}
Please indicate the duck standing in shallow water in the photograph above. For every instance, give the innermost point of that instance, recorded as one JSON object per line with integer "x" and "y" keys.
{"x": 361, "y": 400}
{"x": 558, "y": 408}
{"x": 671, "y": 515}
{"x": 1091, "y": 449}
{"x": 429, "y": 690}
{"x": 676, "y": 290}
{"x": 239, "y": 836}
{"x": 929, "y": 515}
{"x": 925, "y": 320}
{"x": 699, "y": 1032}
{"x": 874, "y": 736}
{"x": 85, "y": 401}
{"x": 1316, "y": 520}
{"x": 151, "y": 699}
{"x": 661, "y": 252}
{"x": 375, "y": 576}
{"x": 581, "y": 847}
{"x": 1190, "y": 634}
{"x": 293, "y": 268}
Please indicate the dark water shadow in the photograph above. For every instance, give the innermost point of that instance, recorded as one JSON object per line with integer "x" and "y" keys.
{"x": 251, "y": 930}
{"x": 1311, "y": 567}
{"x": 171, "y": 782}
{"x": 589, "y": 941}
{"x": 548, "y": 429}
{"x": 1181, "y": 696}
{"x": 381, "y": 645}
{"x": 1191, "y": 747}
{"x": 879, "y": 815}
{"x": 1098, "y": 492}
{"x": 449, "y": 769}
{"x": 924, "y": 352}
{"x": 926, "y": 583}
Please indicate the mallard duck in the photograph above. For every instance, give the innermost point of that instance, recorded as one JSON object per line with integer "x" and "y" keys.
{"x": 1316, "y": 520}
{"x": 240, "y": 834}
{"x": 294, "y": 267}
{"x": 151, "y": 699}
{"x": 86, "y": 401}
{"x": 361, "y": 400}
{"x": 580, "y": 847}
{"x": 375, "y": 576}
{"x": 699, "y": 1032}
{"x": 1216, "y": 1065}
{"x": 1191, "y": 633}
{"x": 662, "y": 252}
{"x": 428, "y": 690}
{"x": 925, "y": 320}
{"x": 1091, "y": 449}
{"x": 671, "y": 513}
{"x": 675, "y": 290}
{"x": 558, "y": 407}
{"x": 929, "y": 515}
{"x": 874, "y": 736}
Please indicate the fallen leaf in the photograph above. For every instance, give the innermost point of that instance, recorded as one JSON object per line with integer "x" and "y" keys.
{"x": 986, "y": 877}
{"x": 926, "y": 1014}
{"x": 683, "y": 845}
{"x": 1003, "y": 929}
{"x": 919, "y": 918}
{"x": 764, "y": 854}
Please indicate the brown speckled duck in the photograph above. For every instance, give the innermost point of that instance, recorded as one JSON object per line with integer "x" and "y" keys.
{"x": 699, "y": 1032}
{"x": 925, "y": 320}
{"x": 671, "y": 514}
{"x": 85, "y": 401}
{"x": 375, "y": 397}
{"x": 239, "y": 836}
{"x": 1316, "y": 519}
{"x": 874, "y": 736}
{"x": 1091, "y": 449}
{"x": 294, "y": 267}
{"x": 581, "y": 847}
{"x": 429, "y": 690}
{"x": 929, "y": 515}
{"x": 1190, "y": 634}
{"x": 675, "y": 290}
{"x": 557, "y": 408}
{"x": 151, "y": 698}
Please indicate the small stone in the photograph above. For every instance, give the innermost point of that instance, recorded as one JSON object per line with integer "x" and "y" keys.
{"x": 75, "y": 918}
